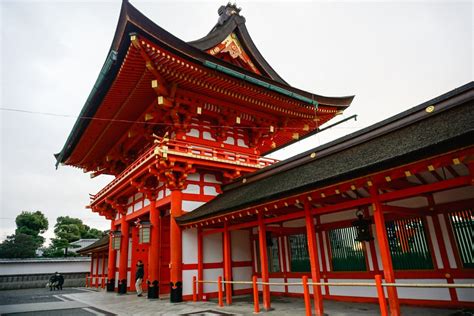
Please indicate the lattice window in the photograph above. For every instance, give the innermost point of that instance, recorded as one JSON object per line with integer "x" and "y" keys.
{"x": 299, "y": 253}
{"x": 272, "y": 254}
{"x": 347, "y": 254}
{"x": 462, "y": 223}
{"x": 408, "y": 244}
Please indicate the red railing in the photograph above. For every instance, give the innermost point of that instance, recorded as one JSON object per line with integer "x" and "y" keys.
{"x": 175, "y": 147}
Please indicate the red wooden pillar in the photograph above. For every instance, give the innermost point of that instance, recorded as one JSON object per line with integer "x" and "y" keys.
{"x": 123, "y": 264}
{"x": 227, "y": 264}
{"x": 176, "y": 278}
{"x": 264, "y": 261}
{"x": 103, "y": 270}
{"x": 385, "y": 252}
{"x": 92, "y": 269}
{"x": 111, "y": 262}
{"x": 314, "y": 259}
{"x": 200, "y": 277}
{"x": 153, "y": 251}
{"x": 97, "y": 261}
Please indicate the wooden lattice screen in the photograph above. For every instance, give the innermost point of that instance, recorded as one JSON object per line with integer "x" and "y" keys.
{"x": 347, "y": 254}
{"x": 299, "y": 253}
{"x": 462, "y": 223}
{"x": 408, "y": 244}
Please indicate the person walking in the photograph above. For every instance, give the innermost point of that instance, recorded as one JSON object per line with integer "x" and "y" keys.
{"x": 139, "y": 277}
{"x": 60, "y": 279}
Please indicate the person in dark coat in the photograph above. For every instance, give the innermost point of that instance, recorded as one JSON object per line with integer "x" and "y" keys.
{"x": 139, "y": 277}
{"x": 53, "y": 282}
{"x": 60, "y": 280}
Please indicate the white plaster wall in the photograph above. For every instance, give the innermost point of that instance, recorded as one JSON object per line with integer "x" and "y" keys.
{"x": 369, "y": 256}
{"x": 211, "y": 275}
{"x": 359, "y": 291}
{"x": 189, "y": 206}
{"x": 212, "y": 248}
{"x": 189, "y": 246}
{"x": 242, "y": 274}
{"x": 100, "y": 265}
{"x": 240, "y": 245}
{"x": 25, "y": 267}
{"x": 277, "y": 288}
{"x": 117, "y": 258}
{"x": 434, "y": 240}
{"x": 128, "y": 277}
{"x": 447, "y": 243}
{"x": 423, "y": 293}
{"x": 129, "y": 259}
{"x": 192, "y": 189}
{"x": 116, "y": 278}
{"x": 465, "y": 295}
{"x": 188, "y": 281}
{"x": 295, "y": 288}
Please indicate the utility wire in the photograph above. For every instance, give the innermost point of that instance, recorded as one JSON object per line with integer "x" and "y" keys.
{"x": 91, "y": 118}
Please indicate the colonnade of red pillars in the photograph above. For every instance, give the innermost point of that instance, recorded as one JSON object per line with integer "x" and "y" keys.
{"x": 176, "y": 254}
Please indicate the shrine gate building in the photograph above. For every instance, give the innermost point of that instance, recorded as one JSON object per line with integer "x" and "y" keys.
{"x": 184, "y": 129}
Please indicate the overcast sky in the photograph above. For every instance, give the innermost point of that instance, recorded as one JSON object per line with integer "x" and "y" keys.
{"x": 391, "y": 55}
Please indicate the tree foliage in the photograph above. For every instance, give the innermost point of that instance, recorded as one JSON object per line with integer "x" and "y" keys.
{"x": 19, "y": 246}
{"x": 67, "y": 230}
{"x": 27, "y": 239}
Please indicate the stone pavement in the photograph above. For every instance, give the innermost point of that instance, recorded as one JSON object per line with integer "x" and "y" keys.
{"x": 132, "y": 305}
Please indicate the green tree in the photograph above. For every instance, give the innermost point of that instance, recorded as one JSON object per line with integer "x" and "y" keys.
{"x": 27, "y": 239}
{"x": 67, "y": 230}
{"x": 19, "y": 246}
{"x": 32, "y": 224}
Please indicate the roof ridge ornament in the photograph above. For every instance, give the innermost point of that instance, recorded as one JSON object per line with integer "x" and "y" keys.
{"x": 225, "y": 12}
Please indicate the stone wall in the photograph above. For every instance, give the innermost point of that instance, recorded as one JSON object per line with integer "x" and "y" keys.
{"x": 13, "y": 282}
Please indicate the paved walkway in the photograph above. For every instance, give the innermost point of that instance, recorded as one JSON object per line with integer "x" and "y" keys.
{"x": 133, "y": 305}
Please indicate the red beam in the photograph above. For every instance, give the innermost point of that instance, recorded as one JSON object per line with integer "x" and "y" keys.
{"x": 427, "y": 188}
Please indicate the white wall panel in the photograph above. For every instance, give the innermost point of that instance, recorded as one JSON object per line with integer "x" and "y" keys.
{"x": 240, "y": 245}
{"x": 434, "y": 240}
{"x": 465, "y": 295}
{"x": 212, "y": 275}
{"x": 189, "y": 206}
{"x": 447, "y": 243}
{"x": 189, "y": 246}
{"x": 277, "y": 288}
{"x": 212, "y": 248}
{"x": 242, "y": 274}
{"x": 188, "y": 281}
{"x": 295, "y": 288}
{"x": 359, "y": 291}
{"x": 423, "y": 293}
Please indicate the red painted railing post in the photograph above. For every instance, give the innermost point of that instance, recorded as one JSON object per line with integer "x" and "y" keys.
{"x": 194, "y": 289}
{"x": 219, "y": 292}
{"x": 256, "y": 306}
{"x": 307, "y": 299}
{"x": 381, "y": 295}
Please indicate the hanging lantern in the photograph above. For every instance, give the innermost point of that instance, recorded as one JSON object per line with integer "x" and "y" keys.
{"x": 116, "y": 237}
{"x": 144, "y": 232}
{"x": 363, "y": 227}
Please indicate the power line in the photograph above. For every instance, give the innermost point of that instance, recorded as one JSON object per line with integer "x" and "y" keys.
{"x": 93, "y": 118}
